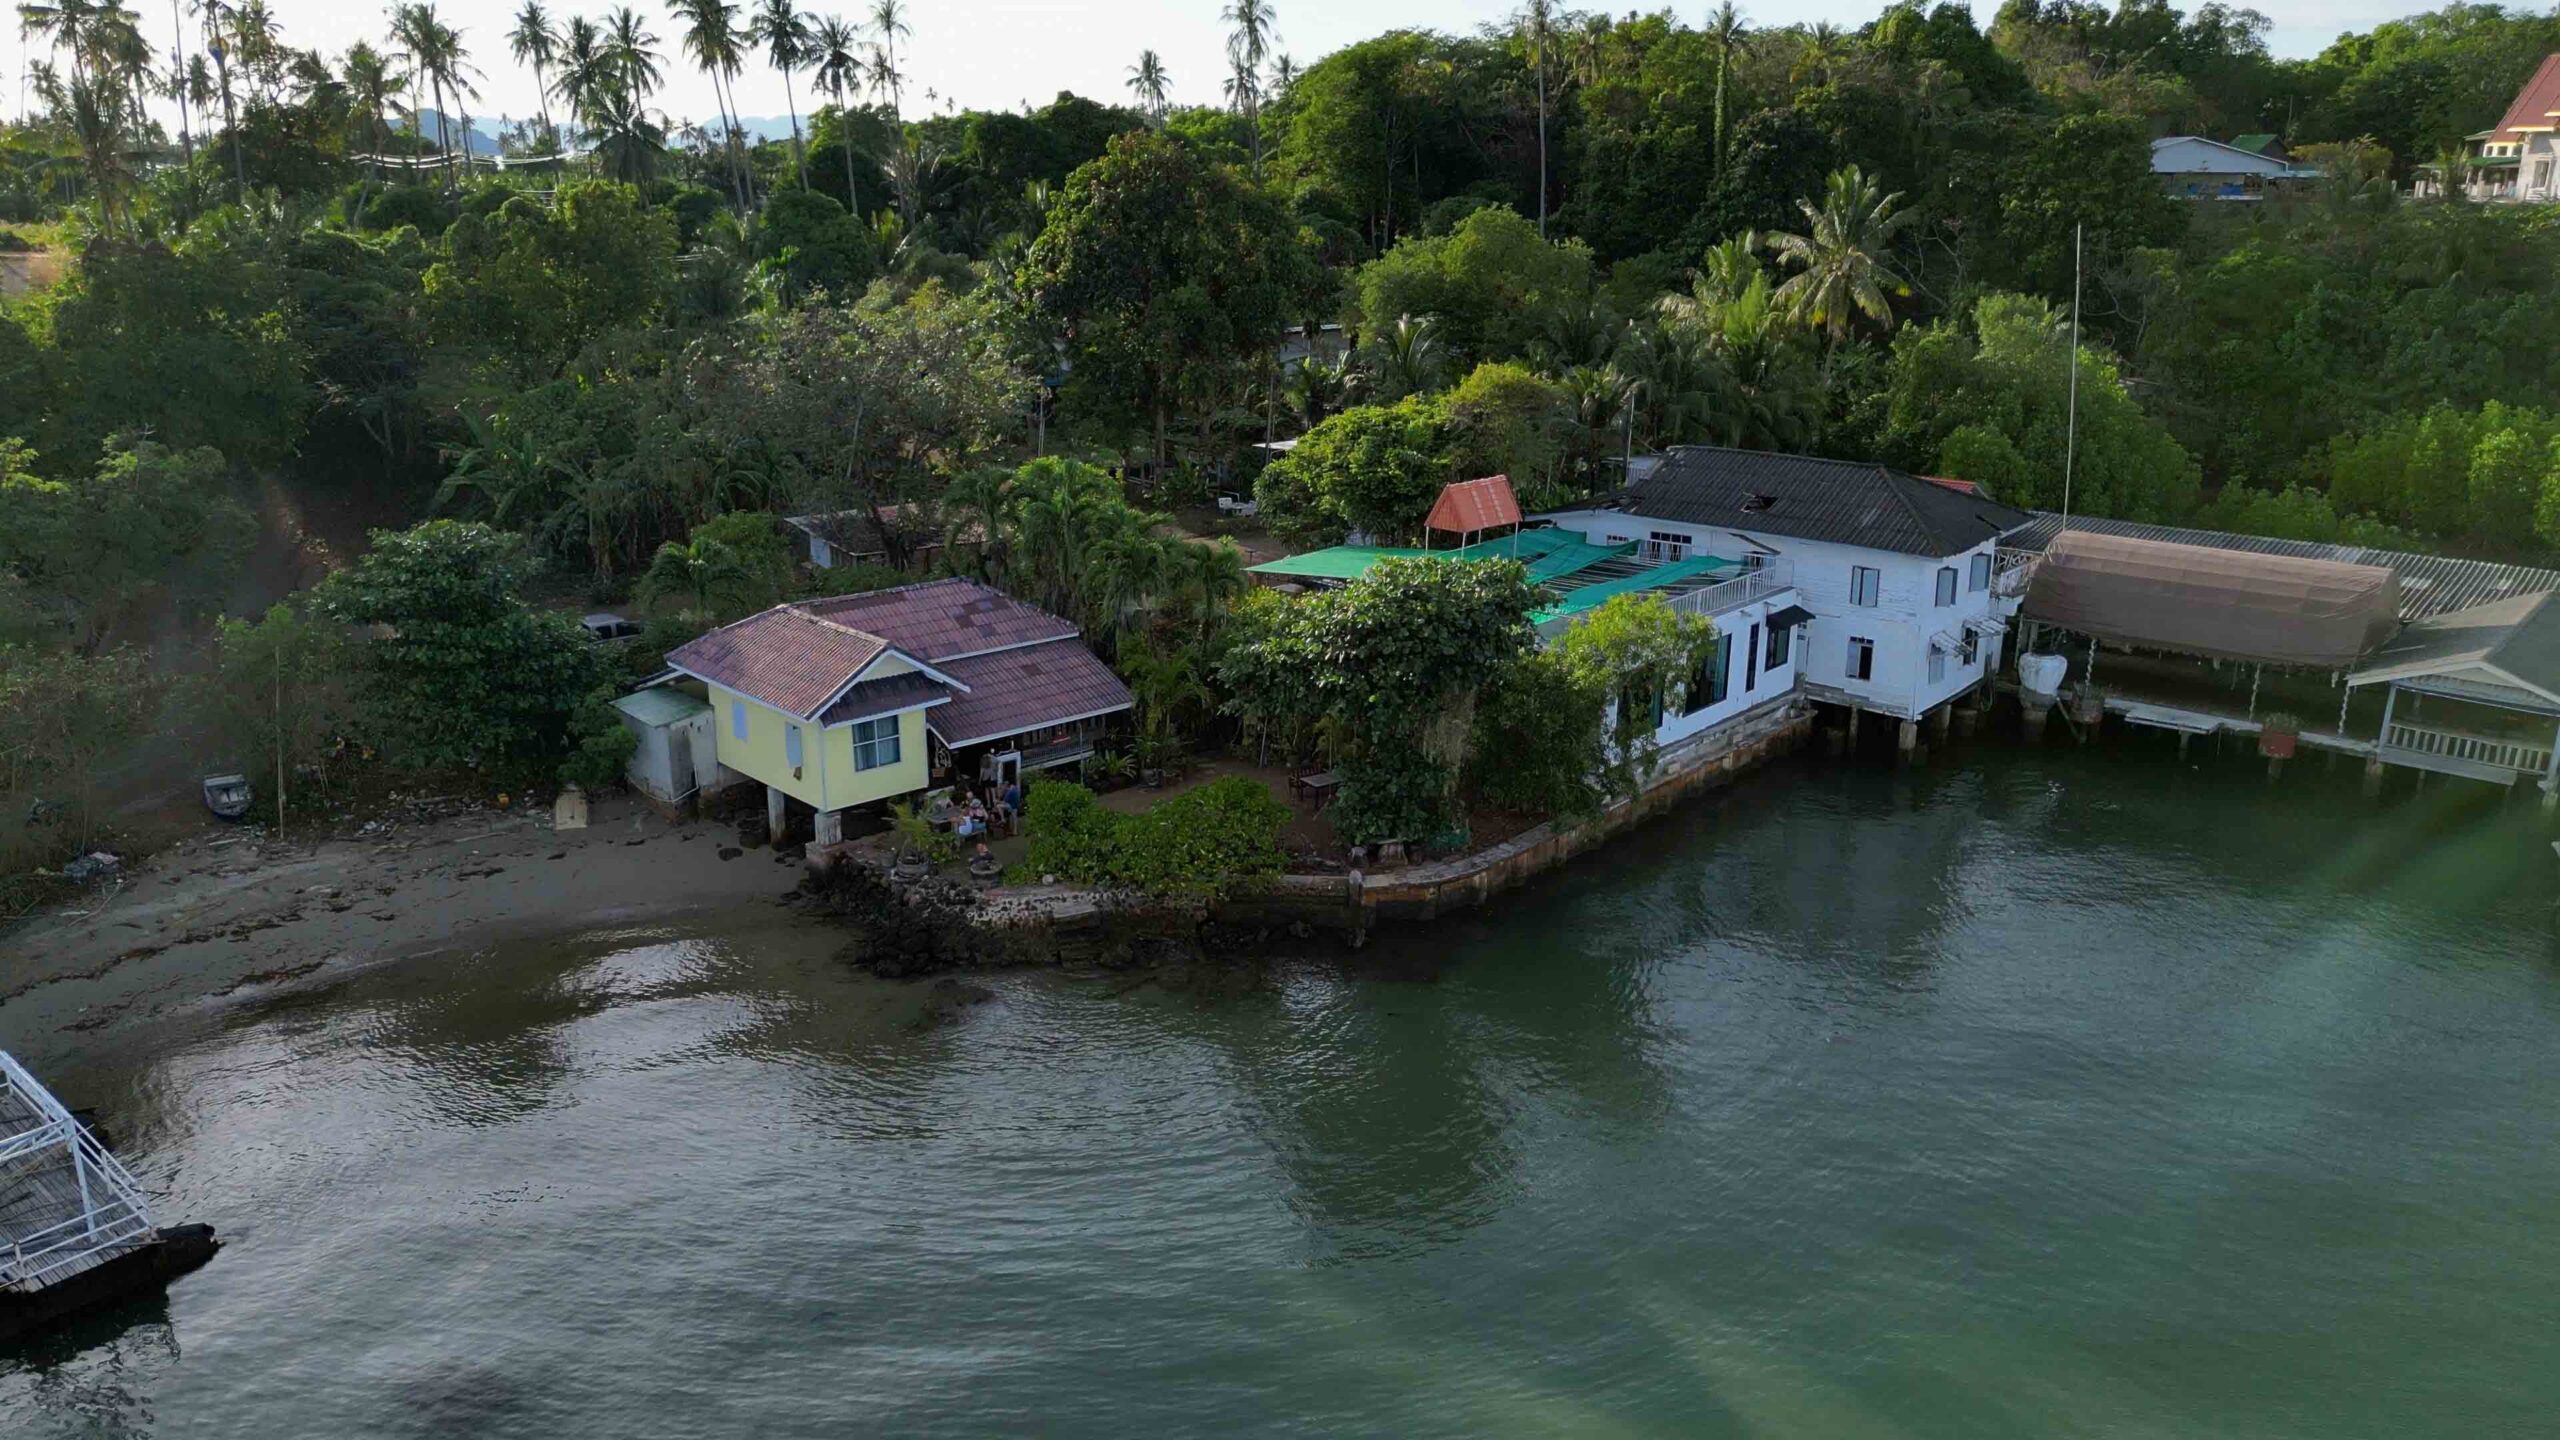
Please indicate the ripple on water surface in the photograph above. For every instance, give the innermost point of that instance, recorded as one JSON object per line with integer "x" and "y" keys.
{"x": 2029, "y": 1095}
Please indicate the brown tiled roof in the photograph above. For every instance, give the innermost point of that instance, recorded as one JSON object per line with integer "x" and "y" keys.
{"x": 785, "y": 657}
{"x": 879, "y": 697}
{"x": 939, "y": 619}
{"x": 1017, "y": 690}
{"x": 2534, "y": 105}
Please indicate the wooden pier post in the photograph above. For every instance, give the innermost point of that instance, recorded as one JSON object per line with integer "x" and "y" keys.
{"x": 776, "y": 811}
{"x": 2373, "y": 778}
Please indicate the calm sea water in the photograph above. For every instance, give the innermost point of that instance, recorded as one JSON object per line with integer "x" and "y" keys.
{"x": 2028, "y": 1094}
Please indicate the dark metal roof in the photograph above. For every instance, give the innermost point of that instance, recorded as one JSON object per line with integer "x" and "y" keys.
{"x": 1841, "y": 501}
{"x": 2429, "y": 584}
{"x": 785, "y": 657}
{"x": 940, "y": 619}
{"x": 873, "y": 698}
{"x": 1032, "y": 688}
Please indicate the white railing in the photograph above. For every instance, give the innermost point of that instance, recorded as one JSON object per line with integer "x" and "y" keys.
{"x": 109, "y": 1211}
{"x": 1739, "y": 591}
{"x": 2522, "y": 757}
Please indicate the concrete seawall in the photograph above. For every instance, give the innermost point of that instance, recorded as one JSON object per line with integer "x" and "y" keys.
{"x": 1357, "y": 902}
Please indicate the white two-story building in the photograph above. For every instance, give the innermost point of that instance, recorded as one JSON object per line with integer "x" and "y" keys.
{"x": 1895, "y": 570}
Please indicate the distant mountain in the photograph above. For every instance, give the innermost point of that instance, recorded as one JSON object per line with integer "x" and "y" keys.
{"x": 484, "y": 133}
{"x": 484, "y": 130}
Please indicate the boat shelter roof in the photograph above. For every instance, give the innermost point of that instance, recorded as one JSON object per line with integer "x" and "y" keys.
{"x": 2220, "y": 604}
{"x": 1467, "y": 507}
{"x": 2507, "y": 651}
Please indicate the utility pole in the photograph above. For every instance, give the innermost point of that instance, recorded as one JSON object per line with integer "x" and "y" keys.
{"x": 2071, "y": 423}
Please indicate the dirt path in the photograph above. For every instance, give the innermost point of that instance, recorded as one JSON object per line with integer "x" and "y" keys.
{"x": 222, "y": 914}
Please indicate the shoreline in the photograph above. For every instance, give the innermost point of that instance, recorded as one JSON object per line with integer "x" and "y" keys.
{"x": 222, "y": 915}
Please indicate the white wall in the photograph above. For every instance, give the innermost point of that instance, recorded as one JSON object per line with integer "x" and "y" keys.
{"x": 1905, "y": 615}
{"x": 1768, "y": 684}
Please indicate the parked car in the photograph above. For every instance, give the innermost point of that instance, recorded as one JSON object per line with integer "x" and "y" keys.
{"x": 603, "y": 626}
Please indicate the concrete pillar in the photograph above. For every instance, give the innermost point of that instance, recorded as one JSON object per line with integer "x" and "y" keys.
{"x": 1854, "y": 713}
{"x": 2184, "y": 738}
{"x": 1907, "y": 738}
{"x": 1938, "y": 719}
{"x": 2275, "y": 767}
{"x": 2373, "y": 778}
{"x": 2037, "y": 714}
{"x": 830, "y": 827}
{"x": 775, "y": 813}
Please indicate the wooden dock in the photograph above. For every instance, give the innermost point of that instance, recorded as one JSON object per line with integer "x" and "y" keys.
{"x": 66, "y": 1205}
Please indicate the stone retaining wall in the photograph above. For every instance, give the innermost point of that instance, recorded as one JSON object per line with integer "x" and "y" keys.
{"x": 1356, "y": 902}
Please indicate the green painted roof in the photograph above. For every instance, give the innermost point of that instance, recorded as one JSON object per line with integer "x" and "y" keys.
{"x": 660, "y": 705}
{"x": 2254, "y": 144}
{"x": 1592, "y": 597}
{"x": 1549, "y": 554}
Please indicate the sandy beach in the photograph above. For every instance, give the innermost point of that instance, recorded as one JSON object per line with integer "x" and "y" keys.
{"x": 224, "y": 913}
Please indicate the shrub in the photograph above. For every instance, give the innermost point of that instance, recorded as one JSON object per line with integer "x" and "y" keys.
{"x": 1202, "y": 843}
{"x": 600, "y": 745}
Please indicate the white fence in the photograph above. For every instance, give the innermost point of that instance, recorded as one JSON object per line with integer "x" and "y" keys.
{"x": 50, "y": 1166}
{"x": 2522, "y": 757}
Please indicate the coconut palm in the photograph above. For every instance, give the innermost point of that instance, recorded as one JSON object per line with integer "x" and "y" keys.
{"x": 702, "y": 570}
{"x": 535, "y": 42}
{"x": 456, "y": 72}
{"x": 1842, "y": 270}
{"x": 214, "y": 15}
{"x": 833, "y": 54}
{"x": 1725, "y": 33}
{"x": 373, "y": 84}
{"x": 1538, "y": 37}
{"x": 630, "y": 54}
{"x": 628, "y": 144}
{"x": 712, "y": 38}
{"x": 1409, "y": 359}
{"x": 1248, "y": 46}
{"x": 889, "y": 22}
{"x": 787, "y": 40}
{"x": 1149, "y": 82}
{"x": 581, "y": 66}
{"x": 1284, "y": 74}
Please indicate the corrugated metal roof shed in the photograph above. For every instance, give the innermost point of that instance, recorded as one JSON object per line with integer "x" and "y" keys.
{"x": 2429, "y": 584}
{"x": 661, "y": 705}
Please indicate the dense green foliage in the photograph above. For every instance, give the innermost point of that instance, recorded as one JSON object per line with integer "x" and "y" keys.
{"x": 1203, "y": 843}
{"x": 459, "y": 670}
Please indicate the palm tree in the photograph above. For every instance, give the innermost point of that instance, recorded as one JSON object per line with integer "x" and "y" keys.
{"x": 700, "y": 569}
{"x": 1824, "y": 47}
{"x": 1284, "y": 74}
{"x": 629, "y": 54}
{"x": 1538, "y": 35}
{"x": 628, "y": 144}
{"x": 1248, "y": 46}
{"x": 788, "y": 41}
{"x": 1841, "y": 261}
{"x": 177, "y": 83}
{"x": 711, "y": 38}
{"x": 455, "y": 74}
{"x": 580, "y": 66}
{"x": 1724, "y": 32}
{"x": 215, "y": 16}
{"x": 1409, "y": 359}
{"x": 371, "y": 85}
{"x": 889, "y": 22}
{"x": 534, "y": 42}
{"x": 832, "y": 48}
{"x": 1150, "y": 83}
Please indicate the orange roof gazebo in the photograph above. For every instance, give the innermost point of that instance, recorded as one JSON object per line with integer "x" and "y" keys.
{"x": 1470, "y": 507}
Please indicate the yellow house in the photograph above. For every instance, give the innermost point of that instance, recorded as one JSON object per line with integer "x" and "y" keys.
{"x": 818, "y": 712}
{"x": 852, "y": 701}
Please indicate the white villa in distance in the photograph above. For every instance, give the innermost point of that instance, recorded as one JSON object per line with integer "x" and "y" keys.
{"x": 1896, "y": 571}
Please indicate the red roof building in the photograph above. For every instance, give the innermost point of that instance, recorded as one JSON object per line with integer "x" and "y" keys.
{"x": 1471, "y": 507}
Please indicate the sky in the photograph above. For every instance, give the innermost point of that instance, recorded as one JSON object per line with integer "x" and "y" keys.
{"x": 1002, "y": 54}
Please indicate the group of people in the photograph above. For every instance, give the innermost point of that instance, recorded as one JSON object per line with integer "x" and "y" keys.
{"x": 988, "y": 806}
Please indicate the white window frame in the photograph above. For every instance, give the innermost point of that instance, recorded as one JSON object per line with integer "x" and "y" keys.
{"x": 1866, "y": 585}
{"x": 1981, "y": 577}
{"x": 1937, "y": 666}
{"x": 738, "y": 720}
{"x": 1666, "y": 545}
{"x": 871, "y": 736}
{"x": 1946, "y": 585}
{"x": 794, "y": 752}
{"x": 1861, "y": 648}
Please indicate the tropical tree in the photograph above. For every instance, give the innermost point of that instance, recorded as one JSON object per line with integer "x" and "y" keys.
{"x": 889, "y": 22}
{"x": 788, "y": 40}
{"x": 630, "y": 52}
{"x": 215, "y": 16}
{"x": 713, "y": 39}
{"x": 629, "y": 144}
{"x": 1149, "y": 82}
{"x": 1538, "y": 36}
{"x": 832, "y": 53}
{"x": 1725, "y": 33}
{"x": 372, "y": 87}
{"x": 1248, "y": 46}
{"x": 535, "y": 42}
{"x": 582, "y": 66}
{"x": 1842, "y": 270}
{"x": 702, "y": 570}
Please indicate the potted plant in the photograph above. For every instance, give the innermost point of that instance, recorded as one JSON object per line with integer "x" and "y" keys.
{"x": 921, "y": 848}
{"x": 1154, "y": 758}
{"x": 1114, "y": 767}
{"x": 2277, "y": 738}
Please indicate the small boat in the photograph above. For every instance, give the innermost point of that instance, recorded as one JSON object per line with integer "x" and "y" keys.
{"x": 227, "y": 796}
